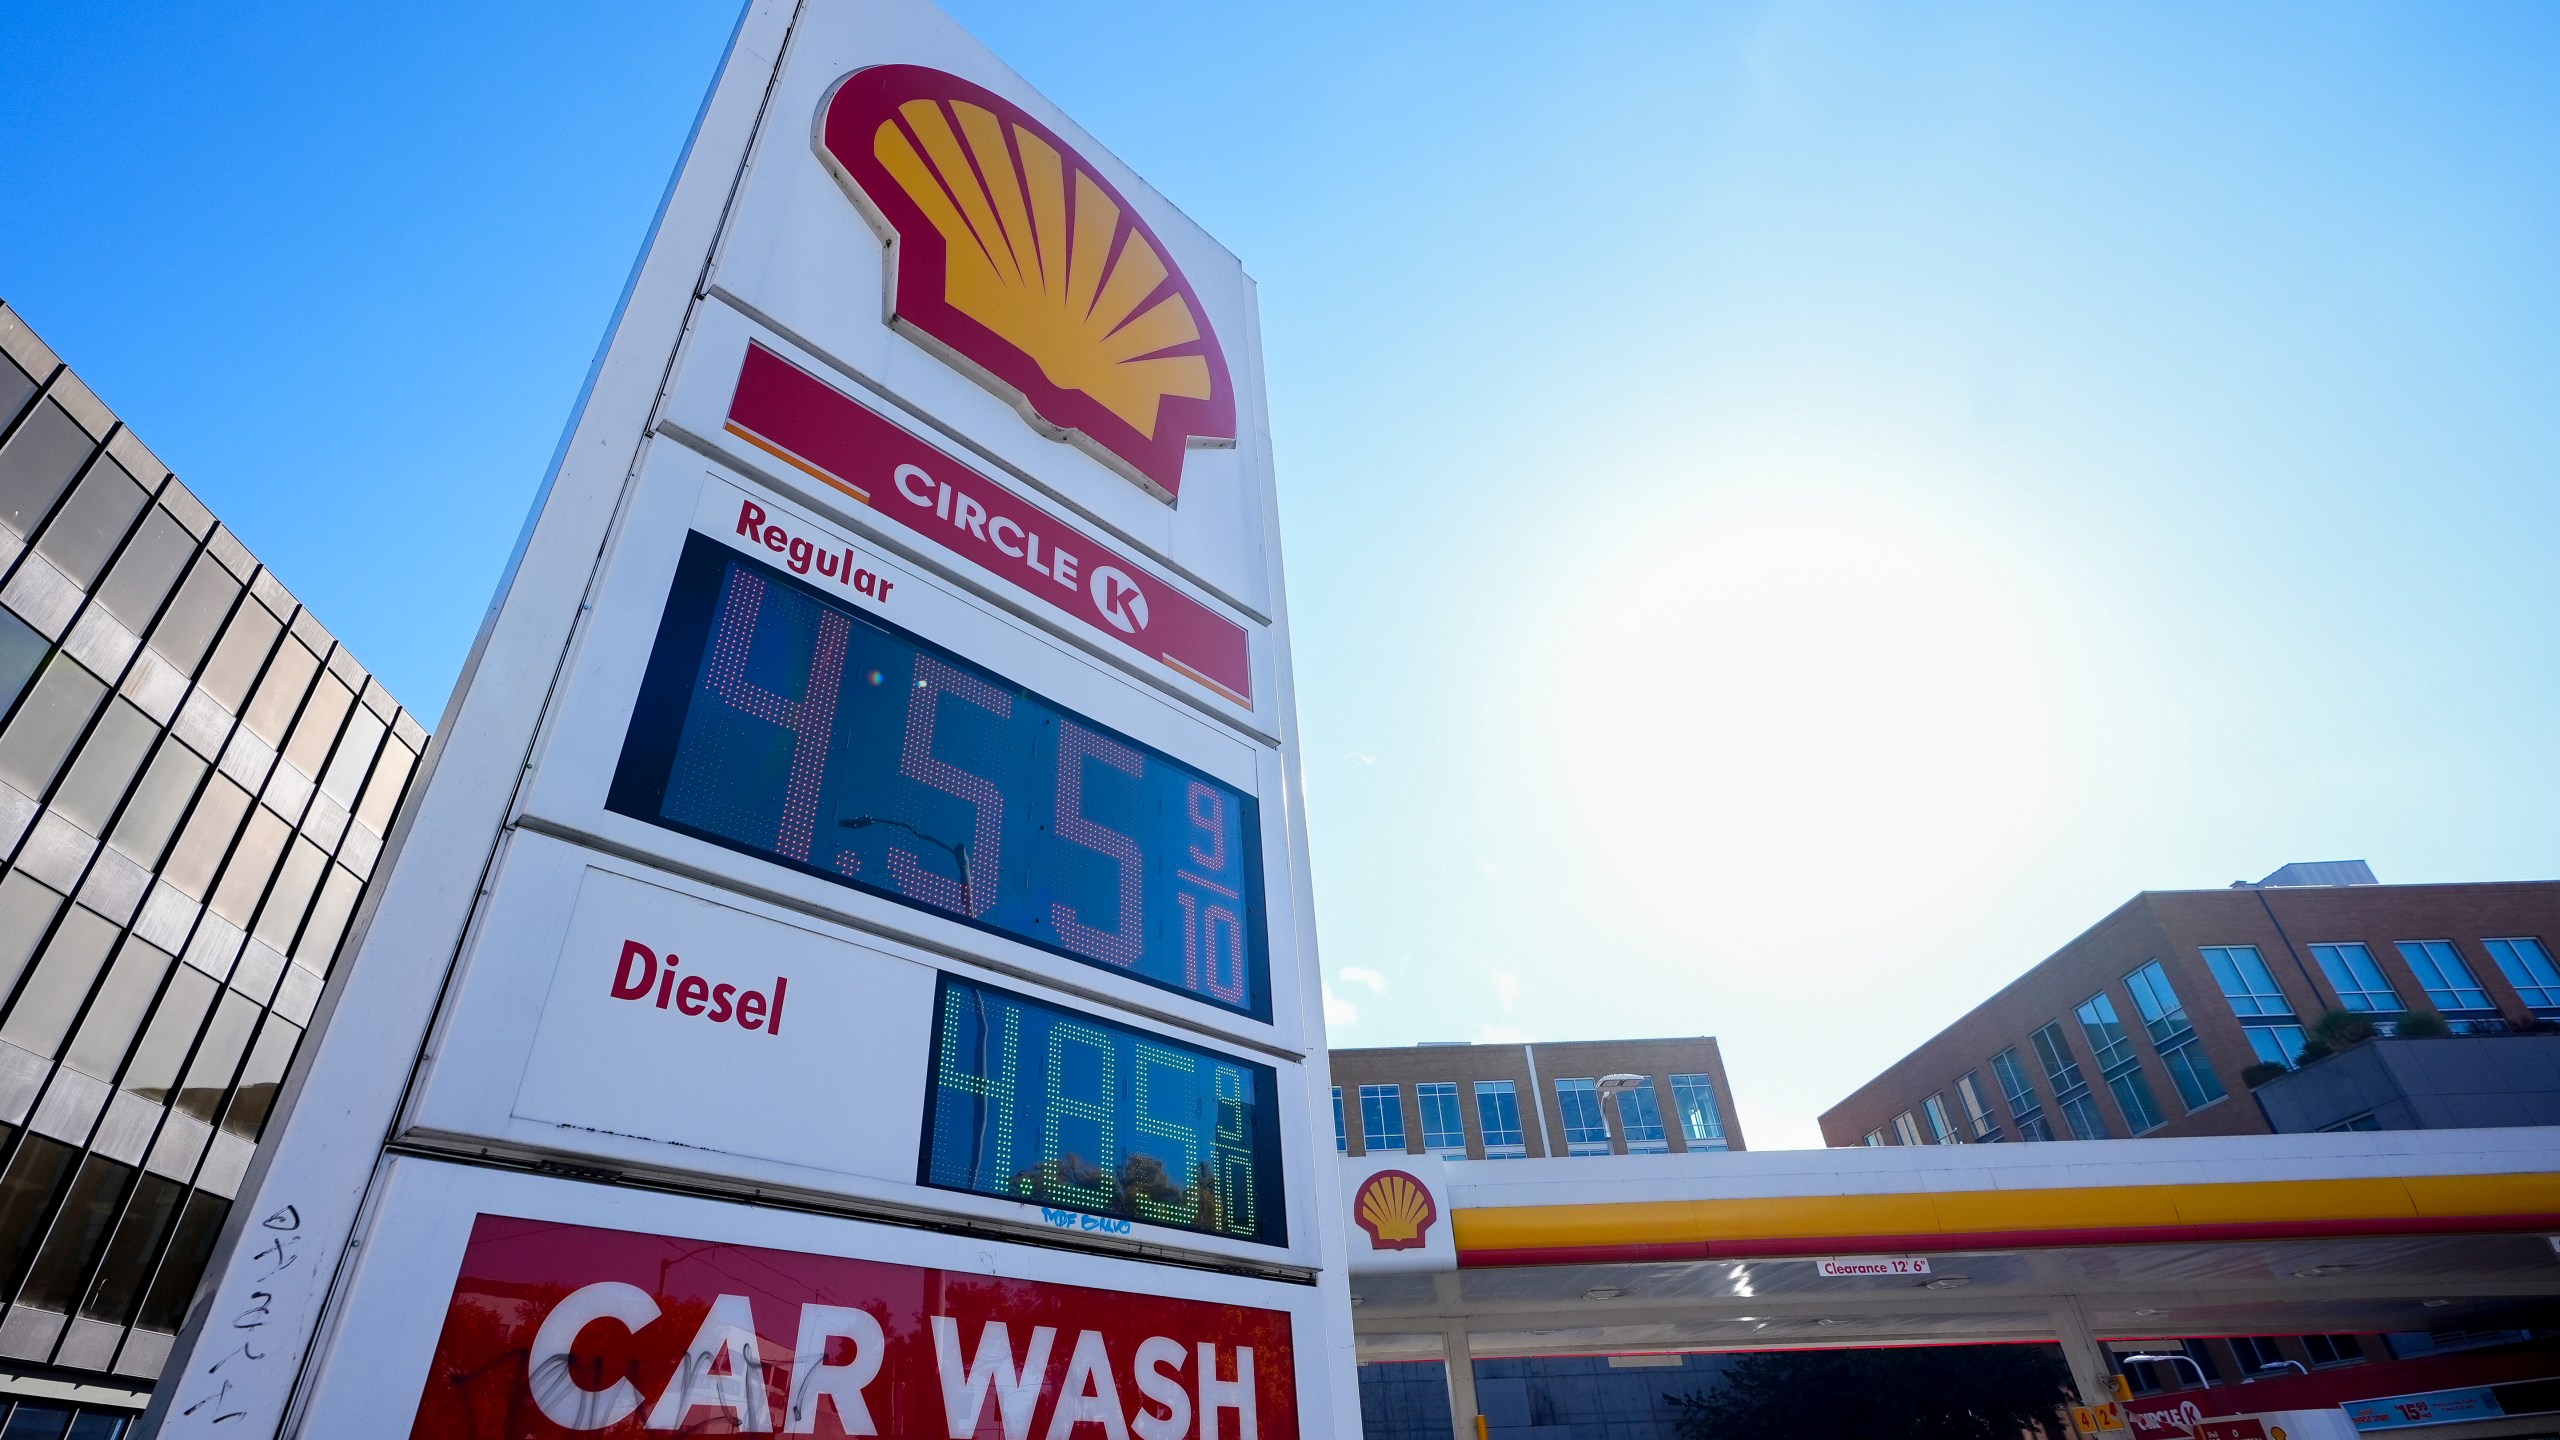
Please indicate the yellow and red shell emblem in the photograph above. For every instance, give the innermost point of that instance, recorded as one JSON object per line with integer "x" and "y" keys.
{"x": 1016, "y": 260}
{"x": 1396, "y": 1209}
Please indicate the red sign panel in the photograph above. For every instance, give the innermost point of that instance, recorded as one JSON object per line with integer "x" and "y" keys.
{"x": 792, "y": 414}
{"x": 558, "y": 1330}
{"x": 1021, "y": 263}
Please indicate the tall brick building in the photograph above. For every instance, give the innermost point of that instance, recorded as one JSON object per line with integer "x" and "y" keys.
{"x": 1511, "y": 1102}
{"x": 2143, "y": 1024}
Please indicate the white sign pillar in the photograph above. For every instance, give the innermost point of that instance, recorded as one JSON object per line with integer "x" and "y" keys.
{"x": 852, "y": 929}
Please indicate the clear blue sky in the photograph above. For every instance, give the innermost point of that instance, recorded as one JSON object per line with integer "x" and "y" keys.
{"x": 1793, "y": 510}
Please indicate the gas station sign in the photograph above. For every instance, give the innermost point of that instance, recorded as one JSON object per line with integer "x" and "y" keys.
{"x": 848, "y": 968}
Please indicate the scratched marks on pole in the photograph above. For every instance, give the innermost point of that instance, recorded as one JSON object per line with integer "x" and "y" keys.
{"x": 556, "y": 1329}
{"x": 281, "y": 1246}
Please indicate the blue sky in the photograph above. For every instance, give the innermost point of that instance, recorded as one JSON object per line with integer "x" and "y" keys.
{"x": 1793, "y": 510}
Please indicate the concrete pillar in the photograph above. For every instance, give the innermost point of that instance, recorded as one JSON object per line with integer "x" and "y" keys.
{"x": 2092, "y": 1369}
{"x": 1462, "y": 1382}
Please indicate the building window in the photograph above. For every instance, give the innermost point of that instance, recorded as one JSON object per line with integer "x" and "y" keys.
{"x": 1341, "y": 1132}
{"x": 2025, "y": 1110}
{"x": 1381, "y": 1117}
{"x": 1941, "y": 1131}
{"x": 2070, "y": 1090}
{"x": 2365, "y": 1121}
{"x": 1443, "y": 1132}
{"x": 1498, "y": 1118}
{"x": 2359, "y": 982}
{"x": 2528, "y": 967}
{"x": 1586, "y": 1129}
{"x": 2334, "y": 1349}
{"x": 2265, "y": 1015}
{"x": 2245, "y": 980}
{"x": 2276, "y": 1044}
{"x": 1874, "y": 1140}
{"x": 1977, "y": 1111}
{"x": 2108, "y": 1044}
{"x": 1700, "y": 1122}
{"x": 1640, "y": 1116}
{"x": 2257, "y": 1354}
{"x": 2113, "y": 1050}
{"x": 2166, "y": 1021}
{"x": 1905, "y": 1129}
{"x": 2449, "y": 985}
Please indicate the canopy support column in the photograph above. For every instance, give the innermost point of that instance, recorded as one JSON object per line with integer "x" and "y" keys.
{"x": 1462, "y": 1382}
{"x": 2092, "y": 1372}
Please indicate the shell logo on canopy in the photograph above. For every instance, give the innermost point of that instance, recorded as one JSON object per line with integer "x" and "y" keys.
{"x": 1013, "y": 258}
{"x": 1396, "y": 1209}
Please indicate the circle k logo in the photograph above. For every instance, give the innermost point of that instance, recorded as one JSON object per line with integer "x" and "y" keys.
{"x": 1119, "y": 598}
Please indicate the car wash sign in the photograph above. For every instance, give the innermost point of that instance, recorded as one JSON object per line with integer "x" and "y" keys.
{"x": 560, "y": 1330}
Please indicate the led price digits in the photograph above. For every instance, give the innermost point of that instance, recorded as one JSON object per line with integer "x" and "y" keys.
{"x": 1032, "y": 1102}
{"x": 776, "y": 720}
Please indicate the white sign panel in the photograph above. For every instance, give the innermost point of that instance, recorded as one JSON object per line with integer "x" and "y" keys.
{"x": 871, "y": 808}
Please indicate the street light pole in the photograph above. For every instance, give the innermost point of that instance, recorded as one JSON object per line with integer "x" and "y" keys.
{"x": 2201, "y": 1382}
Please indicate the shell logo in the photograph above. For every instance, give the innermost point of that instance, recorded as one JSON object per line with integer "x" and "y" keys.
{"x": 1012, "y": 257}
{"x": 1396, "y": 1209}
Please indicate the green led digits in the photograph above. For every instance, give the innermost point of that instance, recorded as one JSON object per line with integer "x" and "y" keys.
{"x": 1159, "y": 1195}
{"x": 1078, "y": 1178}
{"x": 1076, "y": 1114}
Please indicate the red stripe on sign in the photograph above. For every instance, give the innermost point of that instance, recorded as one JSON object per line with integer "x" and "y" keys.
{"x": 556, "y": 1330}
{"x": 785, "y": 410}
{"x": 1948, "y": 1241}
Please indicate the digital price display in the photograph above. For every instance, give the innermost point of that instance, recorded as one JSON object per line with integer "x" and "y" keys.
{"x": 1029, "y": 1101}
{"x": 777, "y": 720}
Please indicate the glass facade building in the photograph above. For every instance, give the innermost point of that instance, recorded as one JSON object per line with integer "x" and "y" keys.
{"x": 196, "y": 780}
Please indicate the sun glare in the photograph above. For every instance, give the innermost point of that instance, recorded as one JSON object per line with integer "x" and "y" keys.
{"x": 1833, "y": 712}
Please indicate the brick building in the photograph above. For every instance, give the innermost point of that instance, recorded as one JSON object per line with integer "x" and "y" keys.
{"x": 2143, "y": 1024}
{"x": 196, "y": 780}
{"x": 1509, "y": 1102}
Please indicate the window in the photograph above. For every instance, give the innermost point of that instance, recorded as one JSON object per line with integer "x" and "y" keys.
{"x": 1977, "y": 1112}
{"x": 1905, "y": 1129}
{"x": 2108, "y": 1044}
{"x": 1701, "y": 1124}
{"x": 1586, "y": 1130}
{"x": 2359, "y": 982}
{"x": 2365, "y": 1121}
{"x": 2245, "y": 981}
{"x": 2026, "y": 1111}
{"x": 2277, "y": 1044}
{"x": 2133, "y": 1097}
{"x": 1941, "y": 1131}
{"x": 2447, "y": 980}
{"x": 2070, "y": 1089}
{"x": 2113, "y": 1050}
{"x": 2334, "y": 1349}
{"x": 1341, "y": 1132}
{"x": 2080, "y": 1112}
{"x": 2060, "y": 1070}
{"x": 1640, "y": 1116}
{"x": 1381, "y": 1117}
{"x": 1874, "y": 1140}
{"x": 1498, "y": 1120}
{"x": 2166, "y": 1021}
{"x": 2257, "y": 1353}
{"x": 1443, "y": 1132}
{"x": 2528, "y": 967}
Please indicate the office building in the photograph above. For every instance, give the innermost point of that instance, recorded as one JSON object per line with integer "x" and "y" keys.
{"x": 2145, "y": 1023}
{"x": 196, "y": 780}
{"x": 1511, "y": 1102}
